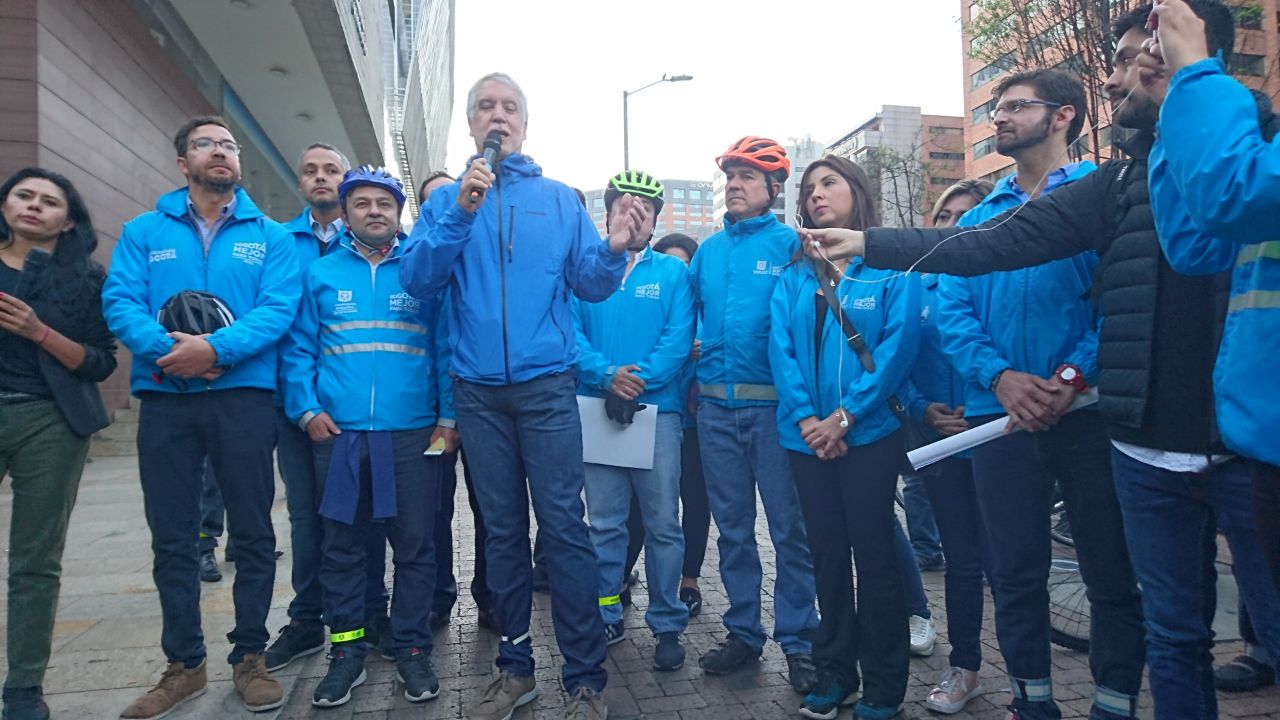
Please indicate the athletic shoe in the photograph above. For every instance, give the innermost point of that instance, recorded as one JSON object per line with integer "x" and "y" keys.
{"x": 692, "y": 599}
{"x": 923, "y": 636}
{"x": 345, "y": 673}
{"x": 297, "y": 639}
{"x": 614, "y": 633}
{"x": 826, "y": 699}
{"x": 956, "y": 688}
{"x": 668, "y": 655}
{"x": 209, "y": 571}
{"x": 728, "y": 656}
{"x": 413, "y": 669}
{"x": 802, "y": 672}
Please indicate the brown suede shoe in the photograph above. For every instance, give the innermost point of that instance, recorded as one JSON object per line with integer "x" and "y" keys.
{"x": 259, "y": 691}
{"x": 177, "y": 685}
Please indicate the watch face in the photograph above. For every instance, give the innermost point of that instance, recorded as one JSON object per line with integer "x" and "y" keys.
{"x": 1068, "y": 374}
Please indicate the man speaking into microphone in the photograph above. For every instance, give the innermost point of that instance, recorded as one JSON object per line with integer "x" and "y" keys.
{"x": 511, "y": 245}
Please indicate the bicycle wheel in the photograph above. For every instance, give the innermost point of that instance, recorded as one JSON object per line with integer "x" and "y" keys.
{"x": 1059, "y": 523}
{"x": 1068, "y": 606}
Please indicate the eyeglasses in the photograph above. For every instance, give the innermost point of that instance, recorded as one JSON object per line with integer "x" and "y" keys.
{"x": 206, "y": 145}
{"x": 1014, "y": 106}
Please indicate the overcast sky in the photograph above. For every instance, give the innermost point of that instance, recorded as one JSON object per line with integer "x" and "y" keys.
{"x": 782, "y": 68}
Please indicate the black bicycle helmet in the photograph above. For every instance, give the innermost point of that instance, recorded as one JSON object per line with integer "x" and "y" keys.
{"x": 195, "y": 313}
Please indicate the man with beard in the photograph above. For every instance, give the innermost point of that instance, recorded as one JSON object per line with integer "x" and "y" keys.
{"x": 1026, "y": 343}
{"x": 1155, "y": 365}
{"x": 206, "y": 395}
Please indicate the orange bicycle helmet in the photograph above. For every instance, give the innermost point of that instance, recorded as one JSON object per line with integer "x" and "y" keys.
{"x": 758, "y": 152}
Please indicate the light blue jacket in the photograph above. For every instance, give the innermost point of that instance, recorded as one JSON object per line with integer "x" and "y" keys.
{"x": 734, "y": 273}
{"x": 512, "y": 266}
{"x": 363, "y": 350}
{"x": 1030, "y": 320}
{"x": 933, "y": 377}
{"x": 251, "y": 265}
{"x": 1215, "y": 192}
{"x": 884, "y": 308}
{"x": 648, "y": 322}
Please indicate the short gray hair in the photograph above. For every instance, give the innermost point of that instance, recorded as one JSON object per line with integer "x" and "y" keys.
{"x": 346, "y": 164}
{"x": 503, "y": 78}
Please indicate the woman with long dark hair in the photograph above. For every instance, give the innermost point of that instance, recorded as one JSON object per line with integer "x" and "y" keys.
{"x": 845, "y": 443}
{"x": 54, "y": 348}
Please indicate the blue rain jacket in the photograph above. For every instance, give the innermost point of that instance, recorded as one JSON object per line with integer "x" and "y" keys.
{"x": 933, "y": 377}
{"x": 251, "y": 265}
{"x": 1215, "y": 192}
{"x": 1030, "y": 320}
{"x": 647, "y": 322}
{"x": 512, "y": 266}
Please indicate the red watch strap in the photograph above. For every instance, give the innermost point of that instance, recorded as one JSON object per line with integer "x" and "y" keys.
{"x": 1077, "y": 381}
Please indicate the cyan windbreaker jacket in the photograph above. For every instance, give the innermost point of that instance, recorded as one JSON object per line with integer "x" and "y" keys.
{"x": 647, "y": 322}
{"x": 1215, "y": 191}
{"x": 1030, "y": 320}
{"x": 511, "y": 267}
{"x": 364, "y": 350}
{"x": 883, "y": 306}
{"x": 251, "y": 266}
{"x": 734, "y": 273}
{"x": 933, "y": 377}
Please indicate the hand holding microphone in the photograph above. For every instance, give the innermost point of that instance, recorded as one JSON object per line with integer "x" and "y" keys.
{"x": 479, "y": 178}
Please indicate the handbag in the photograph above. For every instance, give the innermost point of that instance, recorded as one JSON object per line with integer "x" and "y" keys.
{"x": 913, "y": 432}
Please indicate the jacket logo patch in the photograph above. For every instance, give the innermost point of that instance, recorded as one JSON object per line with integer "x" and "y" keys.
{"x": 403, "y": 303}
{"x": 866, "y": 303}
{"x": 344, "y": 296}
{"x": 344, "y": 306}
{"x": 250, "y": 253}
{"x": 651, "y": 291}
{"x": 764, "y": 268}
{"x": 162, "y": 255}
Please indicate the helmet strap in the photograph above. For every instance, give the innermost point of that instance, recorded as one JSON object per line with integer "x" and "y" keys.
{"x": 371, "y": 250}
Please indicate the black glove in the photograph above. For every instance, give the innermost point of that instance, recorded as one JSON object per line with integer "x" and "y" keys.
{"x": 621, "y": 411}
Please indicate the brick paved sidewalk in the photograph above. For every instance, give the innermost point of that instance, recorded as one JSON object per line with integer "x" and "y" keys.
{"x": 106, "y": 645}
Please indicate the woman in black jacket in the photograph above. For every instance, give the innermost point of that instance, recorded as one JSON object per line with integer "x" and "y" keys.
{"x": 54, "y": 348}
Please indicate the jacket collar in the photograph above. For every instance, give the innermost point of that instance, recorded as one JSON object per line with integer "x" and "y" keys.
{"x": 174, "y": 204}
{"x": 1007, "y": 186}
{"x": 347, "y": 241}
{"x": 515, "y": 164}
{"x": 749, "y": 226}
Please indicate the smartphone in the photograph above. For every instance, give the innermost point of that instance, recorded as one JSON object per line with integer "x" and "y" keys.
{"x": 437, "y": 448}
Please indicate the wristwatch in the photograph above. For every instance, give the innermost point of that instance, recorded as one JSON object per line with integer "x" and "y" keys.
{"x": 1068, "y": 374}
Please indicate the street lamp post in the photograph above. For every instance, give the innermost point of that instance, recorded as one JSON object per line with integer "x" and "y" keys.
{"x": 626, "y": 147}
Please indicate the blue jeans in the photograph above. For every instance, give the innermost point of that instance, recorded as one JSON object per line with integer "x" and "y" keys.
{"x": 922, "y": 529}
{"x": 609, "y": 492}
{"x": 1014, "y": 479}
{"x": 912, "y": 584}
{"x": 344, "y": 565}
{"x": 532, "y": 430}
{"x": 293, "y": 457}
{"x": 236, "y": 430}
{"x": 1170, "y": 527}
{"x": 740, "y": 453}
{"x": 955, "y": 506}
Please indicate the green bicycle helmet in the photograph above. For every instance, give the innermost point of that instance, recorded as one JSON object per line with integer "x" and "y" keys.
{"x": 634, "y": 182}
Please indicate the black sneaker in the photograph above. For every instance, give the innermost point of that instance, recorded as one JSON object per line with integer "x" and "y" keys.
{"x": 413, "y": 669}
{"x": 614, "y": 633}
{"x": 802, "y": 672}
{"x": 692, "y": 599}
{"x": 24, "y": 704}
{"x": 377, "y": 635}
{"x": 345, "y": 673}
{"x": 1243, "y": 674}
{"x": 297, "y": 639}
{"x": 728, "y": 656}
{"x": 209, "y": 571}
{"x": 668, "y": 655}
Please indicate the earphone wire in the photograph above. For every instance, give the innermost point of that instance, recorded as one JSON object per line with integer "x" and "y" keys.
{"x": 1054, "y": 166}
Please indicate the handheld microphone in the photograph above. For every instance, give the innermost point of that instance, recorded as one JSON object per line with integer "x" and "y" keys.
{"x": 37, "y": 261}
{"x": 492, "y": 145}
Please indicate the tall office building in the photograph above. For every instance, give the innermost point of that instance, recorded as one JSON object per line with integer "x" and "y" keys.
{"x": 687, "y": 209}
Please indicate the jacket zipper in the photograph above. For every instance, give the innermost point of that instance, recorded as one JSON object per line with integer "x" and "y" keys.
{"x": 502, "y": 267}
{"x": 373, "y": 380}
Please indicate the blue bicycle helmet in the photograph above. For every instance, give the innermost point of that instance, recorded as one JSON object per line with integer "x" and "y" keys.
{"x": 370, "y": 175}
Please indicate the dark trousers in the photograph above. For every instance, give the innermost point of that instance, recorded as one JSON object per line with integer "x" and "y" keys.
{"x": 297, "y": 469}
{"x": 695, "y": 518}
{"x": 446, "y": 584}
{"x": 213, "y": 514}
{"x": 964, "y": 541}
{"x": 1014, "y": 480}
{"x": 236, "y": 430}
{"x": 848, "y": 505}
{"x": 1266, "y": 503}
{"x": 344, "y": 565}
{"x": 532, "y": 452}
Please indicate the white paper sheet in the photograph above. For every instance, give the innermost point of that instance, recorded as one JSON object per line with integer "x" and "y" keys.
{"x": 975, "y": 436}
{"x": 605, "y": 442}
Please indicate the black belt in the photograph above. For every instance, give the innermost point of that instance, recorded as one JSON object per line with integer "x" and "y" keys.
{"x": 13, "y": 398}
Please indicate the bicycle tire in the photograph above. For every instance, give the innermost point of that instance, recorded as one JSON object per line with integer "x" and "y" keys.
{"x": 1069, "y": 621}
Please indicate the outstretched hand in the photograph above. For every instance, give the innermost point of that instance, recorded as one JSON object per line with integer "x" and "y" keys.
{"x": 831, "y": 243}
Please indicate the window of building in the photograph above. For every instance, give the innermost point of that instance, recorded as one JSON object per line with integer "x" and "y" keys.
{"x": 677, "y": 193}
{"x": 988, "y": 73}
{"x": 679, "y": 224}
{"x": 940, "y": 130}
{"x": 934, "y": 155}
{"x": 984, "y": 147}
{"x": 678, "y": 208}
{"x": 597, "y": 202}
{"x": 695, "y": 194}
{"x": 1246, "y": 64}
{"x": 982, "y": 113}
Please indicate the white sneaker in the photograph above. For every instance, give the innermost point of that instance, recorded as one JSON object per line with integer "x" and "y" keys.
{"x": 957, "y": 687}
{"x": 923, "y": 636}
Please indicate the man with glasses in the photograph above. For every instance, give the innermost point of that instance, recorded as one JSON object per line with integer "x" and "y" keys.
{"x": 206, "y": 395}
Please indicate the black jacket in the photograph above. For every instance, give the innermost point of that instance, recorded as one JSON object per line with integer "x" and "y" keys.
{"x": 75, "y": 392}
{"x": 1154, "y": 368}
